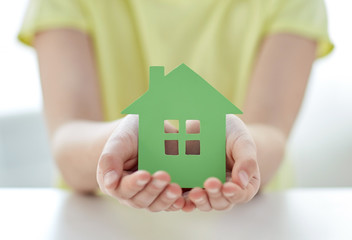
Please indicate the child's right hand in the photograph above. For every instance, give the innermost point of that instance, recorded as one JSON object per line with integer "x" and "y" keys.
{"x": 117, "y": 173}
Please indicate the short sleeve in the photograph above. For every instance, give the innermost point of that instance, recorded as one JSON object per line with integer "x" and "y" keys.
{"x": 307, "y": 18}
{"x": 49, "y": 14}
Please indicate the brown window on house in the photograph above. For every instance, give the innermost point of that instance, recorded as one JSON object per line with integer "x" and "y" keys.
{"x": 171, "y": 126}
{"x": 193, "y": 147}
{"x": 171, "y": 147}
{"x": 192, "y": 126}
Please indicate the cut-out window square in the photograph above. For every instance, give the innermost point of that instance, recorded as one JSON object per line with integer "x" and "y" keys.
{"x": 171, "y": 126}
{"x": 192, "y": 126}
{"x": 171, "y": 147}
{"x": 193, "y": 147}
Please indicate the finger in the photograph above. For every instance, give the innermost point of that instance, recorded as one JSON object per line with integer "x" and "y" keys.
{"x": 241, "y": 150}
{"x": 245, "y": 172}
{"x": 171, "y": 193}
{"x": 120, "y": 147}
{"x": 150, "y": 192}
{"x": 188, "y": 206}
{"x": 233, "y": 193}
{"x": 246, "y": 175}
{"x": 109, "y": 172}
{"x": 240, "y": 195}
{"x": 200, "y": 199}
{"x": 131, "y": 184}
{"x": 128, "y": 202}
{"x": 246, "y": 166}
{"x": 177, "y": 205}
{"x": 216, "y": 198}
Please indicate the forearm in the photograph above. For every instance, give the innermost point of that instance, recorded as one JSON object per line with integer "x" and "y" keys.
{"x": 270, "y": 142}
{"x": 76, "y": 147}
{"x": 275, "y": 94}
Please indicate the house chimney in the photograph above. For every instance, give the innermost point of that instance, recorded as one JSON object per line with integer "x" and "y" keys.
{"x": 156, "y": 75}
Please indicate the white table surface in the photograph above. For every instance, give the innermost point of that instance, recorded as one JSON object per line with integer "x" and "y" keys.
{"x": 56, "y": 214}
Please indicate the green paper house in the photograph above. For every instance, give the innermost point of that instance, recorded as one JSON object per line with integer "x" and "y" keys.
{"x": 189, "y": 156}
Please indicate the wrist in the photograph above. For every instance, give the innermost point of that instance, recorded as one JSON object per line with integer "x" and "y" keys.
{"x": 76, "y": 147}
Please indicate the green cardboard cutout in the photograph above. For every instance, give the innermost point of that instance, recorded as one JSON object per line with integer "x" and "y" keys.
{"x": 182, "y": 95}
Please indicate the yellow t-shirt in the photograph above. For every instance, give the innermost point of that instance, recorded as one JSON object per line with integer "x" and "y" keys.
{"x": 218, "y": 39}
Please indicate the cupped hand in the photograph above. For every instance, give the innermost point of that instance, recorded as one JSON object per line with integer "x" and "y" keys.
{"x": 117, "y": 173}
{"x": 243, "y": 178}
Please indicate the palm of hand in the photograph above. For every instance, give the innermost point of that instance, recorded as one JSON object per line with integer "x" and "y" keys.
{"x": 156, "y": 193}
{"x": 117, "y": 173}
{"x": 243, "y": 179}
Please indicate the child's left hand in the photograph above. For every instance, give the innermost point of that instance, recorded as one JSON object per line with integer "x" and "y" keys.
{"x": 243, "y": 178}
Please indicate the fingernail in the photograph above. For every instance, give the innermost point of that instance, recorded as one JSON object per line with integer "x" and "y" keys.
{"x": 142, "y": 182}
{"x": 110, "y": 178}
{"x": 244, "y": 178}
{"x": 230, "y": 194}
{"x": 175, "y": 205}
{"x": 170, "y": 194}
{"x": 198, "y": 200}
{"x": 159, "y": 183}
{"x": 213, "y": 190}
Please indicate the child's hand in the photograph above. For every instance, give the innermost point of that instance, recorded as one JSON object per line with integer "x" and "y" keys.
{"x": 243, "y": 179}
{"x": 117, "y": 175}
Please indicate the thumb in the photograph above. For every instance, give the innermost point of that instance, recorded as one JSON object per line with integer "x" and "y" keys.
{"x": 109, "y": 172}
{"x": 120, "y": 147}
{"x": 245, "y": 172}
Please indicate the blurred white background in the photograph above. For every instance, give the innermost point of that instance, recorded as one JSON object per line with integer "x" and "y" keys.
{"x": 320, "y": 144}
